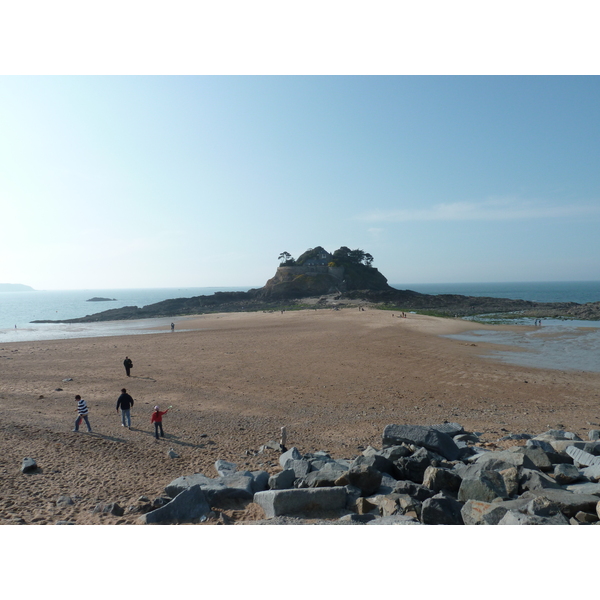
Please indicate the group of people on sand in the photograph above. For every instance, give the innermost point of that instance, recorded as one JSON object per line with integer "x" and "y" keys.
{"x": 124, "y": 403}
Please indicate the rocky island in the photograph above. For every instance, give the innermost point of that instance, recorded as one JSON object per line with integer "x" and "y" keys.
{"x": 15, "y": 287}
{"x": 342, "y": 278}
{"x": 97, "y": 299}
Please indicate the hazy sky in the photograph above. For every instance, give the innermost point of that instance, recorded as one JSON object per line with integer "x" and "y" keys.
{"x": 165, "y": 181}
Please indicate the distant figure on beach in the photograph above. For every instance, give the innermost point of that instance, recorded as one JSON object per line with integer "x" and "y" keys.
{"x": 156, "y": 418}
{"x": 172, "y": 326}
{"x": 128, "y": 363}
{"x": 82, "y": 413}
{"x": 125, "y": 402}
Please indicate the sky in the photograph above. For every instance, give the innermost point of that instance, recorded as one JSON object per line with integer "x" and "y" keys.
{"x": 177, "y": 181}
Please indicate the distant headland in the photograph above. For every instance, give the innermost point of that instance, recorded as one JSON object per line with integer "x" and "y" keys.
{"x": 320, "y": 279}
{"x": 15, "y": 287}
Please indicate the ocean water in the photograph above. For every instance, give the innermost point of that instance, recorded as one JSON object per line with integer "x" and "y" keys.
{"x": 20, "y": 308}
{"x": 548, "y": 291}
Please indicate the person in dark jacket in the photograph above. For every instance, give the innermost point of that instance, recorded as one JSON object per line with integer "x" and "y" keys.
{"x": 128, "y": 363}
{"x": 125, "y": 402}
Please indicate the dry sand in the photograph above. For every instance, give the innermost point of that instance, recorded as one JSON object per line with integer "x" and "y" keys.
{"x": 335, "y": 379}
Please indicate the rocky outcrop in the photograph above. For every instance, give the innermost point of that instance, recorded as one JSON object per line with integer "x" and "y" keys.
{"x": 517, "y": 486}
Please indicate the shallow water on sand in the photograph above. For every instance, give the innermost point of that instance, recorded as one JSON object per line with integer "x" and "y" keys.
{"x": 557, "y": 344}
{"x": 60, "y": 331}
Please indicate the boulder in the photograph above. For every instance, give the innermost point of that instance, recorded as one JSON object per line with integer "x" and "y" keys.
{"x": 28, "y": 465}
{"x": 300, "y": 467}
{"x": 366, "y": 478}
{"x": 376, "y": 461}
{"x": 441, "y": 509}
{"x": 451, "y": 429}
{"x": 64, "y": 501}
{"x": 536, "y": 455}
{"x": 484, "y": 486}
{"x": 111, "y": 508}
{"x": 291, "y": 454}
{"x": 475, "y": 512}
{"x": 414, "y": 467}
{"x": 395, "y": 520}
{"x": 235, "y": 487}
{"x": 594, "y": 434}
{"x": 441, "y": 479}
{"x": 393, "y": 453}
{"x": 419, "y": 435}
{"x": 542, "y": 507}
{"x": 225, "y": 468}
{"x": 260, "y": 481}
{"x": 511, "y": 480}
{"x": 516, "y": 518}
{"x": 301, "y": 501}
{"x": 536, "y": 480}
{"x": 565, "y": 474}
{"x": 568, "y": 502}
{"x": 283, "y": 480}
{"x": 419, "y": 492}
{"x": 586, "y": 487}
{"x": 497, "y": 461}
{"x": 190, "y": 506}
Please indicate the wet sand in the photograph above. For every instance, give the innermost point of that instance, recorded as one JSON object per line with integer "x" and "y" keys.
{"x": 335, "y": 379}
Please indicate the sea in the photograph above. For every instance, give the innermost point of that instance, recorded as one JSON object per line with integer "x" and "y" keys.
{"x": 567, "y": 345}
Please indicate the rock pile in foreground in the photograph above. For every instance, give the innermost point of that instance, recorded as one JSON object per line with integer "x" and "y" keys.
{"x": 431, "y": 475}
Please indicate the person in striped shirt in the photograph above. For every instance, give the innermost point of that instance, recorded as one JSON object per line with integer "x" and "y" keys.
{"x": 82, "y": 413}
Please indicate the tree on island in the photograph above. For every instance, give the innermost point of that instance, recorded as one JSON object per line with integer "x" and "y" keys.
{"x": 287, "y": 259}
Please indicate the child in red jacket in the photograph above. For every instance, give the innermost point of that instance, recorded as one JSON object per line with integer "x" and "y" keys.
{"x": 157, "y": 416}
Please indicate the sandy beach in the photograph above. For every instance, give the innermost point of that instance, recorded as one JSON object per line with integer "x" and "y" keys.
{"x": 335, "y": 379}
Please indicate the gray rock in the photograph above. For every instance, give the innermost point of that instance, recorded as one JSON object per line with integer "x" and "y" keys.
{"x": 536, "y": 455}
{"x": 190, "y": 506}
{"x": 565, "y": 474}
{"x": 292, "y": 454}
{"x": 378, "y": 462}
{"x": 542, "y": 507}
{"x": 358, "y": 519}
{"x": 419, "y": 492}
{"x": 111, "y": 508}
{"x": 545, "y": 445}
{"x": 65, "y": 523}
{"x": 235, "y": 487}
{"x": 586, "y": 487}
{"x": 366, "y": 478}
{"x": 497, "y": 461}
{"x": 324, "y": 477}
{"x": 388, "y": 483}
{"x": 301, "y": 467}
{"x": 441, "y": 479}
{"x": 536, "y": 480}
{"x": 569, "y": 503}
{"x": 301, "y": 501}
{"x": 28, "y": 465}
{"x": 594, "y": 434}
{"x": 450, "y": 429}
{"x": 64, "y": 501}
{"x": 561, "y": 446}
{"x": 582, "y": 457}
{"x": 183, "y": 483}
{"x": 172, "y": 454}
{"x": 557, "y": 434}
{"x": 414, "y": 467}
{"x": 484, "y": 486}
{"x": 160, "y": 501}
{"x": 393, "y": 453}
{"x": 475, "y": 512}
{"x": 426, "y": 437}
{"x": 393, "y": 504}
{"x": 586, "y": 518}
{"x": 225, "y": 468}
{"x": 511, "y": 480}
{"x": 592, "y": 447}
{"x": 516, "y": 518}
{"x": 395, "y": 520}
{"x": 466, "y": 437}
{"x": 283, "y": 480}
{"x": 261, "y": 481}
{"x": 441, "y": 509}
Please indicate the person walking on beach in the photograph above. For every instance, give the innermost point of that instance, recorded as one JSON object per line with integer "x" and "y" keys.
{"x": 125, "y": 402}
{"x": 157, "y": 416}
{"x": 172, "y": 326}
{"x": 82, "y": 413}
{"x": 128, "y": 364}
